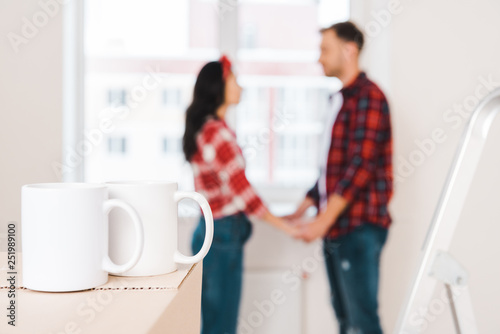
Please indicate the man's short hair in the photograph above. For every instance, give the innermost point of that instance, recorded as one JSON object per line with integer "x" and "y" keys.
{"x": 347, "y": 31}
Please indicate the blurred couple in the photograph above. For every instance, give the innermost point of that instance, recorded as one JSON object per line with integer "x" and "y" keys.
{"x": 351, "y": 194}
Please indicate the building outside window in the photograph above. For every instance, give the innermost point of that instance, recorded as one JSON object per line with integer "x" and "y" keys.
{"x": 172, "y": 145}
{"x": 117, "y": 145}
{"x": 172, "y": 97}
{"x": 117, "y": 97}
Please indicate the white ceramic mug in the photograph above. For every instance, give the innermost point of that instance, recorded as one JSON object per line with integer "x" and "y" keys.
{"x": 65, "y": 236}
{"x": 156, "y": 203}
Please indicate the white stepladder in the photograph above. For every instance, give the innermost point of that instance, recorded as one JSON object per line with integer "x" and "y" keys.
{"x": 436, "y": 264}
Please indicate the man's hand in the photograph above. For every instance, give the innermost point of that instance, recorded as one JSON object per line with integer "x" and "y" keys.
{"x": 318, "y": 228}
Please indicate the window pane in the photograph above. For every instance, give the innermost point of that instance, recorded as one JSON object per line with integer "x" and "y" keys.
{"x": 280, "y": 118}
{"x": 141, "y": 61}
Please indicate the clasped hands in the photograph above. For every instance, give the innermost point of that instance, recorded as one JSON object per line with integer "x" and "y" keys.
{"x": 306, "y": 229}
{"x": 310, "y": 229}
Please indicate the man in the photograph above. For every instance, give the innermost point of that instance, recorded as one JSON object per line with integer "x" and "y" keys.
{"x": 355, "y": 184}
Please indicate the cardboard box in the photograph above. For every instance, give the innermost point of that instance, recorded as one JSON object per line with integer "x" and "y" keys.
{"x": 158, "y": 304}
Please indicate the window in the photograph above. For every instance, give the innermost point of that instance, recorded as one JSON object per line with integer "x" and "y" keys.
{"x": 116, "y": 97}
{"x": 139, "y": 76}
{"x": 140, "y": 72}
{"x": 281, "y": 114}
{"x": 172, "y": 97}
{"x": 249, "y": 36}
{"x": 172, "y": 146}
{"x": 117, "y": 145}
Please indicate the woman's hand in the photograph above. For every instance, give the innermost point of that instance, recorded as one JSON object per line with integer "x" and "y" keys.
{"x": 313, "y": 230}
{"x": 292, "y": 229}
{"x": 284, "y": 225}
{"x": 301, "y": 209}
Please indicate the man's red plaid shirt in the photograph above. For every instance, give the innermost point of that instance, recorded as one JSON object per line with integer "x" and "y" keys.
{"x": 359, "y": 166}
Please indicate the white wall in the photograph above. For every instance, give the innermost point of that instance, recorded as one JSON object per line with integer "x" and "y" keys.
{"x": 430, "y": 56}
{"x": 30, "y": 104}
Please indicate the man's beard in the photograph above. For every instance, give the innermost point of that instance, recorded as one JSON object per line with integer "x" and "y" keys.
{"x": 336, "y": 72}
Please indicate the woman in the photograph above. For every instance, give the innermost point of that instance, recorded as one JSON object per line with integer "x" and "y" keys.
{"x": 219, "y": 171}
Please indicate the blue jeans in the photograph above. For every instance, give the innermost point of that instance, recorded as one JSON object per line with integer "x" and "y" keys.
{"x": 352, "y": 263}
{"x": 222, "y": 273}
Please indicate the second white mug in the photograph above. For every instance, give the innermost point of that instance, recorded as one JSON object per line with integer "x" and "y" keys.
{"x": 156, "y": 203}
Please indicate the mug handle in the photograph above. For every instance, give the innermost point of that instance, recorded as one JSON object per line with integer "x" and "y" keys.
{"x": 109, "y": 265}
{"x": 209, "y": 227}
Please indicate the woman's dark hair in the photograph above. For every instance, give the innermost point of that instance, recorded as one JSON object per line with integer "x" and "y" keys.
{"x": 208, "y": 96}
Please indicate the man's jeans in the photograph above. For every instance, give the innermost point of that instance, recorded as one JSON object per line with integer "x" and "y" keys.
{"x": 222, "y": 272}
{"x": 352, "y": 263}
